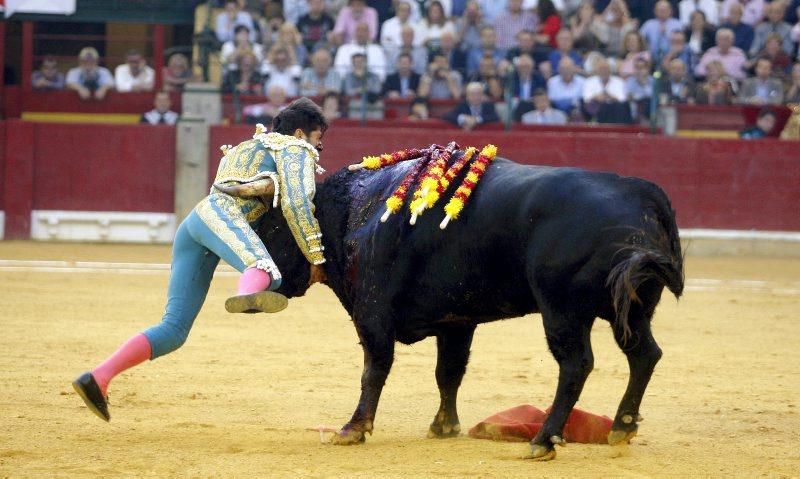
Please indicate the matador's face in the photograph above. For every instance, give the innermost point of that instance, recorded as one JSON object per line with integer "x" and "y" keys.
{"x": 314, "y": 139}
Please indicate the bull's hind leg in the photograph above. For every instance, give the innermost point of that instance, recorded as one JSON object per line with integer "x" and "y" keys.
{"x": 377, "y": 340}
{"x": 643, "y": 353}
{"x": 568, "y": 336}
{"x": 451, "y": 364}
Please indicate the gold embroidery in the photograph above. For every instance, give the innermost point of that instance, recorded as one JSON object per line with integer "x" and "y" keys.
{"x": 224, "y": 227}
{"x": 297, "y": 208}
{"x": 277, "y": 142}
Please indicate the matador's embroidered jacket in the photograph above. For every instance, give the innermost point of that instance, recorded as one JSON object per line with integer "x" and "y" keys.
{"x": 290, "y": 163}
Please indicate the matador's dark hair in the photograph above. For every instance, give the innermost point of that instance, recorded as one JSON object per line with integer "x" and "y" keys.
{"x": 301, "y": 113}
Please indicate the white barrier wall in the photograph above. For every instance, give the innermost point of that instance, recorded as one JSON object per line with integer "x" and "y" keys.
{"x": 102, "y": 226}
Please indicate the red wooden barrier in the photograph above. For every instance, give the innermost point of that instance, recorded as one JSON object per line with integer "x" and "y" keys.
{"x": 726, "y": 117}
{"x": 727, "y": 184}
{"x": 2, "y": 162}
{"x": 114, "y": 102}
{"x": 12, "y": 101}
{"x": 105, "y": 168}
{"x": 18, "y": 191}
{"x": 73, "y": 167}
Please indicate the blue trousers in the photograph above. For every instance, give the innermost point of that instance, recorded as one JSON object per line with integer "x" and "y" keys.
{"x": 196, "y": 252}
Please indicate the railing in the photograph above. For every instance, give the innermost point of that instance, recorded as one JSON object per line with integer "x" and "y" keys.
{"x": 720, "y": 118}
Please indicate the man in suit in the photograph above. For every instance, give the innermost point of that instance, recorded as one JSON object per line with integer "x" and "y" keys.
{"x": 762, "y": 89}
{"x": 448, "y": 47}
{"x": 543, "y": 113}
{"x": 161, "y": 114}
{"x": 474, "y": 110}
{"x": 404, "y": 82}
{"x": 679, "y": 86}
{"x": 774, "y": 23}
{"x": 525, "y": 81}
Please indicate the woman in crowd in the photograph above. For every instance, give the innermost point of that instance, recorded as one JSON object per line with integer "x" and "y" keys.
{"x": 549, "y": 22}
{"x": 581, "y": 24}
{"x": 237, "y": 46}
{"x": 177, "y": 73}
{"x": 435, "y": 23}
{"x": 289, "y": 37}
{"x": 793, "y": 90}
{"x": 612, "y": 26}
{"x": 469, "y": 25}
{"x": 488, "y": 77}
{"x": 634, "y": 48}
{"x": 773, "y": 51}
{"x": 245, "y": 78}
{"x": 699, "y": 34}
{"x": 718, "y": 89}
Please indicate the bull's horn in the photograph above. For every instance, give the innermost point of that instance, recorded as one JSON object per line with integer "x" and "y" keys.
{"x": 262, "y": 187}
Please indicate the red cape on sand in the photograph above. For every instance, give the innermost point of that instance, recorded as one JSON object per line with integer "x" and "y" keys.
{"x": 521, "y": 423}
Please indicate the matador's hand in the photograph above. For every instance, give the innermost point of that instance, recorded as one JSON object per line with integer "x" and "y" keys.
{"x": 317, "y": 275}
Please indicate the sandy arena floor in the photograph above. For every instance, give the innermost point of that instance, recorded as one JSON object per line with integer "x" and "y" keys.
{"x": 236, "y": 400}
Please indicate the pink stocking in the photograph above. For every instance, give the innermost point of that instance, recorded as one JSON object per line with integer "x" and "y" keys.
{"x": 135, "y": 351}
{"x": 253, "y": 280}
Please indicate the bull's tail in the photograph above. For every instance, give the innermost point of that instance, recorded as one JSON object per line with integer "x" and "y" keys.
{"x": 643, "y": 263}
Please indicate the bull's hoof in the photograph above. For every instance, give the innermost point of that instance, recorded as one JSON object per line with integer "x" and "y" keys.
{"x": 348, "y": 437}
{"x": 617, "y": 436}
{"x": 443, "y": 431}
{"x": 540, "y": 452}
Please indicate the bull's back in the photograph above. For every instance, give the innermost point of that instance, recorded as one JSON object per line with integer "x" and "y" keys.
{"x": 525, "y": 229}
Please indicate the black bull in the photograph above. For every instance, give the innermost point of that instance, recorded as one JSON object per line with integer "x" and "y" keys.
{"x": 570, "y": 244}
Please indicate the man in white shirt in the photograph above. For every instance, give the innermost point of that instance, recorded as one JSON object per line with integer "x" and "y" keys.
{"x": 603, "y": 92}
{"x": 89, "y": 79}
{"x": 376, "y": 59}
{"x": 603, "y": 87}
{"x": 543, "y": 113}
{"x": 232, "y": 16}
{"x": 566, "y": 88}
{"x": 418, "y": 54}
{"x": 656, "y": 31}
{"x": 709, "y": 7}
{"x": 161, "y": 114}
{"x": 134, "y": 75}
{"x": 392, "y": 28}
{"x": 282, "y": 72}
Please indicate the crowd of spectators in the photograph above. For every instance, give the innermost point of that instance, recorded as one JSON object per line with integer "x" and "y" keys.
{"x": 551, "y": 61}
{"x": 537, "y": 61}
{"x": 91, "y": 81}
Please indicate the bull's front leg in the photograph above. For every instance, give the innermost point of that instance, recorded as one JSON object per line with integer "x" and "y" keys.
{"x": 377, "y": 339}
{"x": 568, "y": 337}
{"x": 451, "y": 364}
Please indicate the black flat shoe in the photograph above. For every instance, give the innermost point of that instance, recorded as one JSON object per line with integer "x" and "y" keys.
{"x": 89, "y": 391}
{"x": 261, "y": 302}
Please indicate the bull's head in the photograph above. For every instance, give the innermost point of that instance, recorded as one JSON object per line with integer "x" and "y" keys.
{"x": 280, "y": 243}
